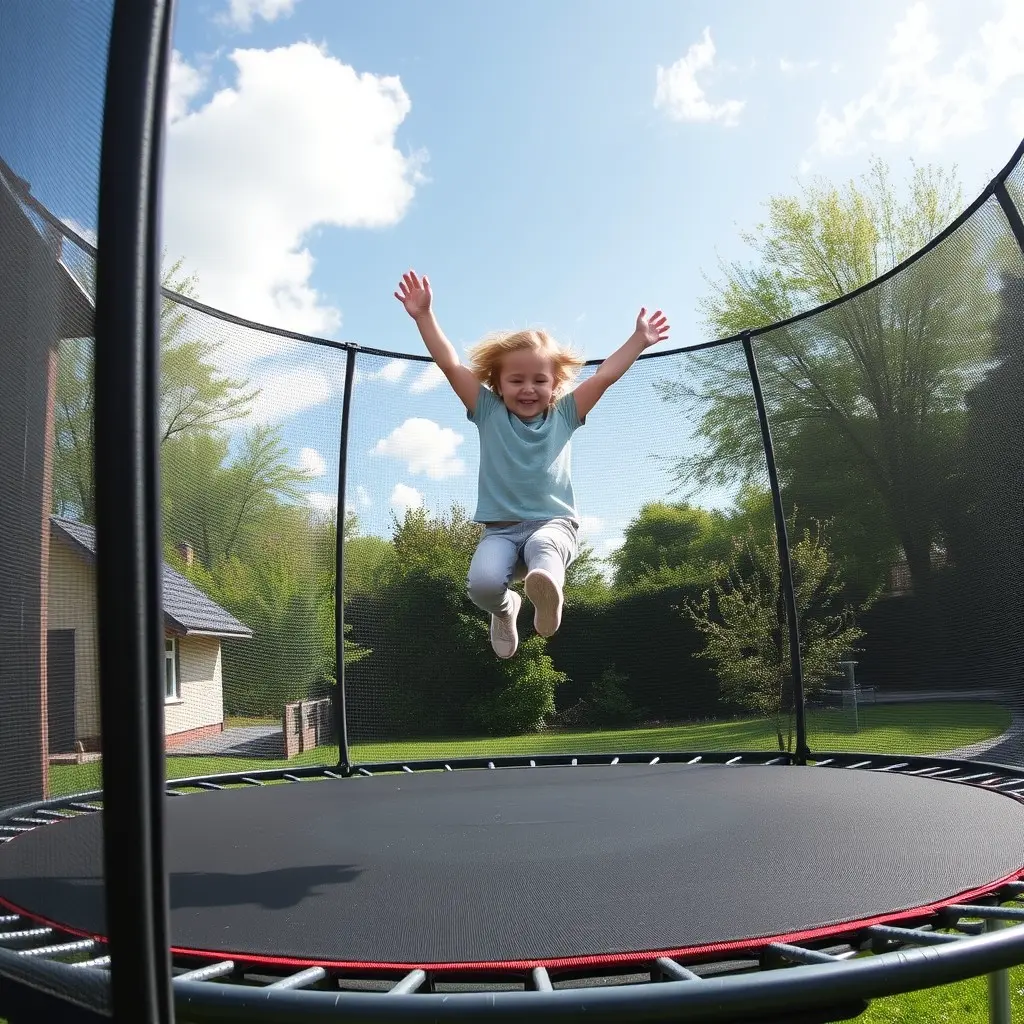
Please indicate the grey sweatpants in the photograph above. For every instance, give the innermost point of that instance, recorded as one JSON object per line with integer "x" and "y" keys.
{"x": 508, "y": 552}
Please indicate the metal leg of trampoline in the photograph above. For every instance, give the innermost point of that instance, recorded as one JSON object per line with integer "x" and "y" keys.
{"x": 998, "y": 986}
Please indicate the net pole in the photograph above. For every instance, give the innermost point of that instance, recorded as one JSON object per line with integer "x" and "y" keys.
{"x": 1011, "y": 212}
{"x": 340, "y": 717}
{"x": 128, "y": 567}
{"x": 785, "y": 562}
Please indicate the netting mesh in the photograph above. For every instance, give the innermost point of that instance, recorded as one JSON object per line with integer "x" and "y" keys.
{"x": 891, "y": 419}
{"x": 660, "y": 528}
{"x": 51, "y": 101}
{"x": 249, "y": 525}
{"x": 897, "y": 423}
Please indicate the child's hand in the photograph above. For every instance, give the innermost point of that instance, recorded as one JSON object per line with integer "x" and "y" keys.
{"x": 414, "y": 294}
{"x": 651, "y": 330}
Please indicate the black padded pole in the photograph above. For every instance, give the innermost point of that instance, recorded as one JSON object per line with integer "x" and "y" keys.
{"x": 340, "y": 718}
{"x": 785, "y": 562}
{"x": 1011, "y": 211}
{"x": 128, "y": 577}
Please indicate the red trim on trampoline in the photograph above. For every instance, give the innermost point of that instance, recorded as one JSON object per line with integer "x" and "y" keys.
{"x": 690, "y": 953}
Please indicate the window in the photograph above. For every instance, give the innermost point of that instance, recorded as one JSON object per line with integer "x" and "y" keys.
{"x": 172, "y": 691}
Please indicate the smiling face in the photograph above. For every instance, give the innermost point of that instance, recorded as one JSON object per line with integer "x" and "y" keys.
{"x": 526, "y": 382}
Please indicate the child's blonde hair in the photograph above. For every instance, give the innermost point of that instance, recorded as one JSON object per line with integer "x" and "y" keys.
{"x": 485, "y": 358}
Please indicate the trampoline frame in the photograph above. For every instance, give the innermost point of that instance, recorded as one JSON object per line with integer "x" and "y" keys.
{"x": 141, "y": 983}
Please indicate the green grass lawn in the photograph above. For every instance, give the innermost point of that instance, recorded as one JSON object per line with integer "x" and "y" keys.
{"x": 895, "y": 729}
{"x": 884, "y": 728}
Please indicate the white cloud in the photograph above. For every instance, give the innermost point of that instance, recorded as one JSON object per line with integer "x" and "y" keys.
{"x": 610, "y": 545}
{"x": 311, "y": 462}
{"x": 284, "y": 392}
{"x": 391, "y": 372}
{"x": 240, "y": 13}
{"x": 428, "y": 379}
{"x": 323, "y": 502}
{"x": 795, "y": 67}
{"x": 363, "y": 496}
{"x": 683, "y": 98}
{"x": 404, "y": 497}
{"x": 916, "y": 100}
{"x": 297, "y": 142}
{"x": 184, "y": 83}
{"x": 425, "y": 446}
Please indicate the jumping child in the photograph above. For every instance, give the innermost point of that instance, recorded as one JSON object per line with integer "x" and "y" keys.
{"x": 516, "y": 391}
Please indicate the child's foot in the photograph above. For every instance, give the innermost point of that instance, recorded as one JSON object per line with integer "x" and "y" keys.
{"x": 504, "y": 636}
{"x": 546, "y": 596}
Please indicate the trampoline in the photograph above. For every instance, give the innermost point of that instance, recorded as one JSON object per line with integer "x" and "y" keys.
{"x": 783, "y": 882}
{"x": 546, "y": 874}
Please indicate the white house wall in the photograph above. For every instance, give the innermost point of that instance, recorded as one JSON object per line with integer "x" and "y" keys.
{"x": 202, "y": 686}
{"x": 72, "y": 595}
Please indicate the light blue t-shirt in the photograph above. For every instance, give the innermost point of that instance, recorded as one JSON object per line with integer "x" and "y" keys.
{"x": 525, "y": 465}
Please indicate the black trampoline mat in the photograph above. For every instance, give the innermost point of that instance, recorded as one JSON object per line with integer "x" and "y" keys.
{"x": 527, "y": 864}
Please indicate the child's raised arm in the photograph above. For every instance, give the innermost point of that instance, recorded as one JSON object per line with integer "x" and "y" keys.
{"x": 416, "y": 296}
{"x": 648, "y": 332}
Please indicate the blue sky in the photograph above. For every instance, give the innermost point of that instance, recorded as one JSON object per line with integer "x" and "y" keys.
{"x": 555, "y": 162}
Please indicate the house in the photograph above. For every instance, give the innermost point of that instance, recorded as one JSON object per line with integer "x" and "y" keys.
{"x": 194, "y": 627}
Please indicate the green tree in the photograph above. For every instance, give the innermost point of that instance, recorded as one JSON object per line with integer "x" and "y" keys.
{"x": 194, "y": 397}
{"x": 666, "y": 543}
{"x": 743, "y": 619}
{"x": 220, "y": 506}
{"x": 878, "y": 380}
{"x": 432, "y": 671}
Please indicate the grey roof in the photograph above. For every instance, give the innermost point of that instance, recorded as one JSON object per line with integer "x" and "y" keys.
{"x": 187, "y": 609}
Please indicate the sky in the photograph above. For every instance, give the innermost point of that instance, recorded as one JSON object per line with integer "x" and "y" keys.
{"x": 554, "y": 163}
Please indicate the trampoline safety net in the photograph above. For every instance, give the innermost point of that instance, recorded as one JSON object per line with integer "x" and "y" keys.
{"x": 861, "y": 463}
{"x": 895, "y": 421}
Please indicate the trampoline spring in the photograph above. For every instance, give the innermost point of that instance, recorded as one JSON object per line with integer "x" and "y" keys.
{"x": 100, "y": 961}
{"x": 209, "y": 785}
{"x": 406, "y": 768}
{"x": 218, "y": 970}
{"x": 800, "y": 954}
{"x": 11, "y": 938}
{"x": 175, "y": 792}
{"x": 859, "y": 764}
{"x": 85, "y": 807}
{"x": 894, "y": 767}
{"x": 575, "y": 762}
{"x": 694, "y": 760}
{"x": 656, "y": 760}
{"x": 735, "y": 760}
{"x": 448, "y": 768}
{"x": 254, "y": 782}
{"x": 330, "y": 774}
{"x": 911, "y": 935}
{"x": 986, "y": 912}
{"x": 676, "y": 971}
{"x": 63, "y": 947}
{"x": 363, "y": 771}
{"x": 490, "y": 764}
{"x": 9, "y": 918}
{"x": 301, "y": 980}
{"x": 412, "y": 982}
{"x": 291, "y": 778}
{"x": 533, "y": 763}
{"x": 615, "y": 760}
{"x": 541, "y": 980}
{"x": 15, "y": 828}
{"x": 35, "y": 822}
